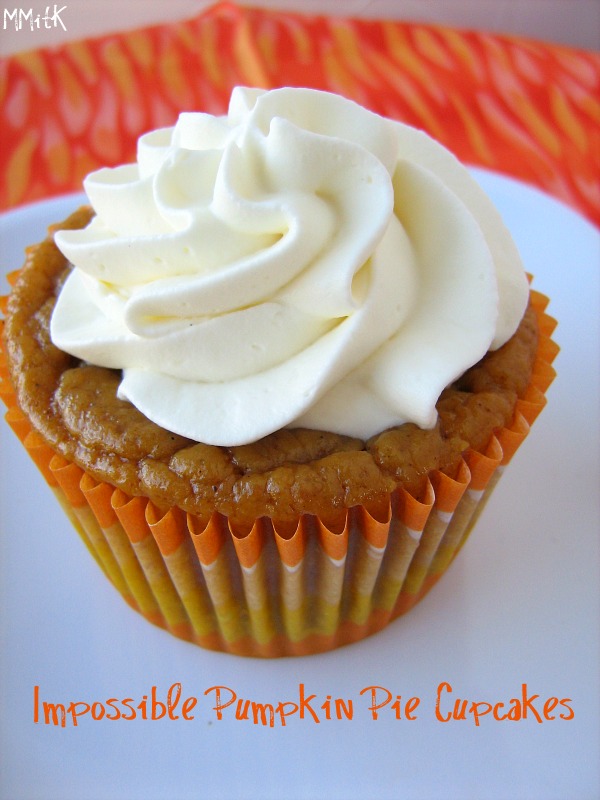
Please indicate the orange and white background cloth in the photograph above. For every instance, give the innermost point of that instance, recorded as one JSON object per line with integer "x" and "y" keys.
{"x": 519, "y": 106}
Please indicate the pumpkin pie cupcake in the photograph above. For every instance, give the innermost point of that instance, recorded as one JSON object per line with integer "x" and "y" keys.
{"x": 275, "y": 368}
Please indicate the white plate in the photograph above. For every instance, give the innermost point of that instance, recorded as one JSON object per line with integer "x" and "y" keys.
{"x": 520, "y": 606}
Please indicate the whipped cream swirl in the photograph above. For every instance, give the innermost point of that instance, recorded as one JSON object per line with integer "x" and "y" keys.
{"x": 298, "y": 262}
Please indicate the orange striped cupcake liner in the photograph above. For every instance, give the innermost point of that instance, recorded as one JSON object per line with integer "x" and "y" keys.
{"x": 268, "y": 592}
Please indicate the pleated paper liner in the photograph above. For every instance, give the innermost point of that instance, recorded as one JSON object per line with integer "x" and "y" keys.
{"x": 270, "y": 592}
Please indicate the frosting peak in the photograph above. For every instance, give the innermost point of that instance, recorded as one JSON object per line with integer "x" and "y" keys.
{"x": 300, "y": 261}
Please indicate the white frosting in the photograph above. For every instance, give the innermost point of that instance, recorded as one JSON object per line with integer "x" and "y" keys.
{"x": 301, "y": 261}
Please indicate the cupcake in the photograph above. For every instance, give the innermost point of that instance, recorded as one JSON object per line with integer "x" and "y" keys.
{"x": 275, "y": 368}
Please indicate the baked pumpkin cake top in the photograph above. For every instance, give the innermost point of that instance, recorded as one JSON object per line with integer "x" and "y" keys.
{"x": 74, "y": 406}
{"x": 294, "y": 308}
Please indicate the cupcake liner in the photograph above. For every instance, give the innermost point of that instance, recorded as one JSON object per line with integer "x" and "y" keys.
{"x": 271, "y": 591}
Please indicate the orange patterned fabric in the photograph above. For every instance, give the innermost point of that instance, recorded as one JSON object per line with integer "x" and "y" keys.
{"x": 524, "y": 108}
